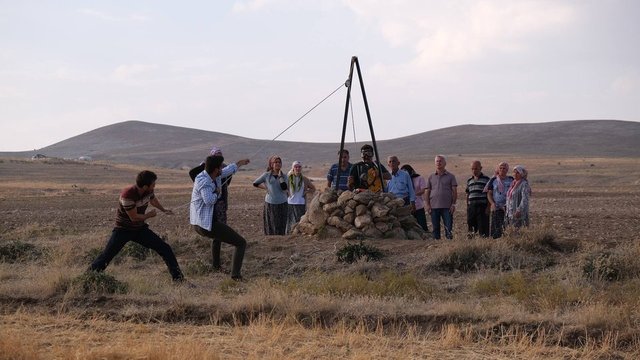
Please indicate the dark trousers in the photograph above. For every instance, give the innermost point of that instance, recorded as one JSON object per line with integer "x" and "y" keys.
{"x": 447, "y": 219}
{"x": 145, "y": 237}
{"x": 478, "y": 219}
{"x": 497, "y": 223}
{"x": 223, "y": 233}
{"x": 421, "y": 218}
{"x": 275, "y": 218}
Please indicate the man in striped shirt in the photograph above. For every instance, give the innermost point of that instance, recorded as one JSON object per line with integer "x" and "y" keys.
{"x": 131, "y": 226}
{"x": 477, "y": 203}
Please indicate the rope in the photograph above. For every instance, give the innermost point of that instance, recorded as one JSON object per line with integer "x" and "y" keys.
{"x": 353, "y": 122}
{"x": 283, "y": 131}
{"x": 300, "y": 118}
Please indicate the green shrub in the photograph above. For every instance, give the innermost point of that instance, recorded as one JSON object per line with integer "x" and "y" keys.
{"x": 602, "y": 266}
{"x": 543, "y": 241}
{"x": 535, "y": 293}
{"x": 98, "y": 282}
{"x": 16, "y": 251}
{"x": 351, "y": 253}
{"x": 135, "y": 250}
{"x": 466, "y": 258}
{"x": 198, "y": 267}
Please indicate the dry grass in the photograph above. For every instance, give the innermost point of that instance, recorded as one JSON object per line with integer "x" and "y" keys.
{"x": 568, "y": 287}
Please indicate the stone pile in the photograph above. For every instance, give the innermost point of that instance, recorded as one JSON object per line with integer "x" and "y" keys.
{"x": 366, "y": 214}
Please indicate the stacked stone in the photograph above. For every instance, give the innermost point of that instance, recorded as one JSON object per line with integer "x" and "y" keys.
{"x": 366, "y": 214}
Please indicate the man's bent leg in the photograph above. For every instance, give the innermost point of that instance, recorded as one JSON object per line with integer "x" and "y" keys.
{"x": 118, "y": 240}
{"x": 151, "y": 240}
{"x": 226, "y": 234}
{"x": 215, "y": 253}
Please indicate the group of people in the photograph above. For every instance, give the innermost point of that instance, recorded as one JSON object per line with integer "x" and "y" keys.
{"x": 492, "y": 203}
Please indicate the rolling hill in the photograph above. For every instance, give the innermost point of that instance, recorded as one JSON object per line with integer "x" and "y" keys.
{"x": 139, "y": 142}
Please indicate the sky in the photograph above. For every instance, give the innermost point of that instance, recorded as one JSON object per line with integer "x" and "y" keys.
{"x": 254, "y": 67}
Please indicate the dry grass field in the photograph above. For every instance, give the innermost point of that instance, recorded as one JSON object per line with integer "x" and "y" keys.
{"x": 567, "y": 287}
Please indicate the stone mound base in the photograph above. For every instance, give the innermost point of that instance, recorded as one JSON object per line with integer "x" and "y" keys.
{"x": 366, "y": 214}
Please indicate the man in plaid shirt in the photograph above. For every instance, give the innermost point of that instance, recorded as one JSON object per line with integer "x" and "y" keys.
{"x": 201, "y": 215}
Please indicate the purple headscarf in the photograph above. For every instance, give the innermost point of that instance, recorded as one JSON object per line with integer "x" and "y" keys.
{"x": 215, "y": 151}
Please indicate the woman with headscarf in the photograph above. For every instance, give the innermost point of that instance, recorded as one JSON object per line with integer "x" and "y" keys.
{"x": 275, "y": 201}
{"x": 518, "y": 198}
{"x": 419, "y": 186}
{"x": 299, "y": 186}
{"x": 496, "y": 190}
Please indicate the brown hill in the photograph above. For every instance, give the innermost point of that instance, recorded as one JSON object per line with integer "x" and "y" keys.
{"x": 139, "y": 142}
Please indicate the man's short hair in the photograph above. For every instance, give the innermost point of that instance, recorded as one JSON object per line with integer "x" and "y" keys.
{"x": 146, "y": 177}
{"x": 366, "y": 147}
{"x": 344, "y": 151}
{"x": 213, "y": 162}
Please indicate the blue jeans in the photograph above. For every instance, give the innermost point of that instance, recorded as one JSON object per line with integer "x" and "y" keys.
{"x": 447, "y": 219}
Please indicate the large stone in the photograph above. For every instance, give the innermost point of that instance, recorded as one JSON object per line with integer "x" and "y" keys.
{"x": 378, "y": 210}
{"x": 330, "y": 207}
{"x": 306, "y": 228}
{"x": 339, "y": 223}
{"x": 383, "y": 226}
{"x": 329, "y": 232}
{"x": 353, "y": 234}
{"x": 395, "y": 203}
{"x": 387, "y": 219}
{"x": 364, "y": 197}
{"x": 352, "y": 203}
{"x": 345, "y": 197}
{"x": 362, "y": 221}
{"x": 395, "y": 233}
{"x": 361, "y": 210}
{"x": 328, "y": 197}
{"x": 315, "y": 214}
{"x": 373, "y": 232}
{"x": 350, "y": 217}
{"x": 337, "y": 212}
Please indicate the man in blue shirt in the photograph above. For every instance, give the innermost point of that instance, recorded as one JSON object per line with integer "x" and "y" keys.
{"x": 339, "y": 173}
{"x": 206, "y": 191}
{"x": 400, "y": 184}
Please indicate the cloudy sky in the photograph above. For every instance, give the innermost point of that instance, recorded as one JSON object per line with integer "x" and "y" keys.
{"x": 254, "y": 67}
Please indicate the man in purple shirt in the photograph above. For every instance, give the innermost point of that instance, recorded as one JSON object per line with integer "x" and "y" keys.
{"x": 441, "y": 194}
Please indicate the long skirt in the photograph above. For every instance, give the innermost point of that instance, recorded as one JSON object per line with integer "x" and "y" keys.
{"x": 295, "y": 212}
{"x": 275, "y": 218}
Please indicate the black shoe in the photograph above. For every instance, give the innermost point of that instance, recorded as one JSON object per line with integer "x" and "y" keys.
{"x": 237, "y": 278}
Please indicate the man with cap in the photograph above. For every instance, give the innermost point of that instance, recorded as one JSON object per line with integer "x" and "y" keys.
{"x": 221, "y": 203}
{"x": 365, "y": 175}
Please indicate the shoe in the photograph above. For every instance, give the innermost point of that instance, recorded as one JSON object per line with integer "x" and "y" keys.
{"x": 237, "y": 278}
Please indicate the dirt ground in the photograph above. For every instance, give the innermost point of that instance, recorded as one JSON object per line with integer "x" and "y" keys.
{"x": 70, "y": 206}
